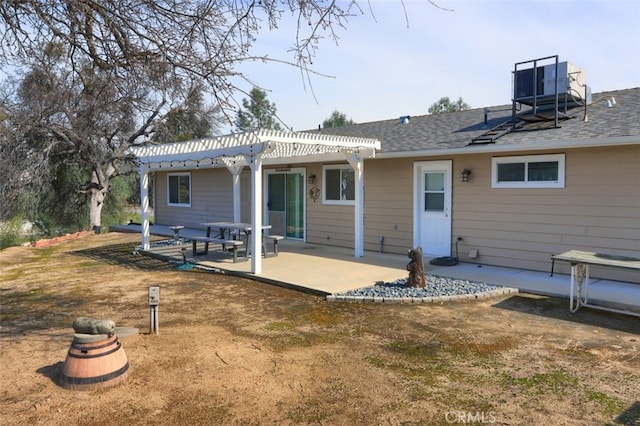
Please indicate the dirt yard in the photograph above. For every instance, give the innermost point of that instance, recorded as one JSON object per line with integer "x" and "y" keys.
{"x": 236, "y": 352}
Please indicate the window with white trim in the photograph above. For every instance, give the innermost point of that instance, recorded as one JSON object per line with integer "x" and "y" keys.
{"x": 179, "y": 189}
{"x": 339, "y": 185}
{"x": 528, "y": 171}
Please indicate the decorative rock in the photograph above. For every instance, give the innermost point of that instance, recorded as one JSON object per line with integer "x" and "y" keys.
{"x": 437, "y": 289}
{"x": 416, "y": 268}
{"x": 84, "y": 325}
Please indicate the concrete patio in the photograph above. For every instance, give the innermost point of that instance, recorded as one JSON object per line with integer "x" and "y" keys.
{"x": 326, "y": 270}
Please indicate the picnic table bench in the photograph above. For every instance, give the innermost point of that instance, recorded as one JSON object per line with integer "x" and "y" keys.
{"x": 176, "y": 232}
{"x": 275, "y": 239}
{"x": 233, "y": 244}
{"x": 580, "y": 262}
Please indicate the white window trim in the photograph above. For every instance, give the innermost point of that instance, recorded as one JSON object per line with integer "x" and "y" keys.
{"x": 560, "y": 158}
{"x": 169, "y": 203}
{"x": 324, "y": 185}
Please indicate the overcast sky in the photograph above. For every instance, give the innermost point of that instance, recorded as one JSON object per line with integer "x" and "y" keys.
{"x": 383, "y": 69}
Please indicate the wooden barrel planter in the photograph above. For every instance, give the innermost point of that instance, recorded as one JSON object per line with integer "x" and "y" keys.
{"x": 94, "y": 361}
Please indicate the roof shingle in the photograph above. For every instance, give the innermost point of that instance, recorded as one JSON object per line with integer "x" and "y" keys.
{"x": 457, "y": 129}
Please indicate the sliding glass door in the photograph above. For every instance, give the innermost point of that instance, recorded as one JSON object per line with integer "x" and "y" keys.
{"x": 285, "y": 202}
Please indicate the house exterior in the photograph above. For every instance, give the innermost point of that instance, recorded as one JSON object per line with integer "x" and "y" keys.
{"x": 556, "y": 183}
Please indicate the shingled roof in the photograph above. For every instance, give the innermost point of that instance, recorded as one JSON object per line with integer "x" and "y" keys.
{"x": 456, "y": 130}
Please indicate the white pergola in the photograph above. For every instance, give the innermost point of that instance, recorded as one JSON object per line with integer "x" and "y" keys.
{"x": 254, "y": 150}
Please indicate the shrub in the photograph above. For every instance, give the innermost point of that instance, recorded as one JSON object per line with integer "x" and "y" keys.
{"x": 11, "y": 233}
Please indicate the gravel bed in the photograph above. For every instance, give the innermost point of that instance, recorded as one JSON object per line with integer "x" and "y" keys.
{"x": 435, "y": 287}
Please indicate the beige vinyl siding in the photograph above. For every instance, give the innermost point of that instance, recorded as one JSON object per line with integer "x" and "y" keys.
{"x": 327, "y": 223}
{"x": 211, "y": 199}
{"x": 598, "y": 210}
{"x": 331, "y": 225}
{"x": 387, "y": 209}
{"x": 388, "y": 205}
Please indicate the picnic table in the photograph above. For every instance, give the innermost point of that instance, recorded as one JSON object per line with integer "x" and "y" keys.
{"x": 580, "y": 262}
{"x": 230, "y": 230}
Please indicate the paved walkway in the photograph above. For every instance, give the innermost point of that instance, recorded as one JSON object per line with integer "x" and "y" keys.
{"x": 328, "y": 270}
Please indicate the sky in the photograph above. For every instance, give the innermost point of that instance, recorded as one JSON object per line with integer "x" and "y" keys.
{"x": 390, "y": 65}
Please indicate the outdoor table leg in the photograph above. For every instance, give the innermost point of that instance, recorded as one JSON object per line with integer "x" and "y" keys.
{"x": 578, "y": 295}
{"x": 585, "y": 299}
{"x": 574, "y": 304}
{"x": 206, "y": 245}
{"x": 221, "y": 232}
{"x": 247, "y": 251}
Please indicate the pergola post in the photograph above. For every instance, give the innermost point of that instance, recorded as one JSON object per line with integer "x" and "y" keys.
{"x": 144, "y": 206}
{"x": 236, "y": 197}
{"x": 357, "y": 163}
{"x": 255, "y": 163}
{"x": 235, "y": 168}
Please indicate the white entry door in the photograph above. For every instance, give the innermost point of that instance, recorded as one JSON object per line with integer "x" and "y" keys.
{"x": 432, "y": 207}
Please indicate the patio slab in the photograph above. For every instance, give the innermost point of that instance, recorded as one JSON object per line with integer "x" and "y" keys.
{"x": 327, "y": 270}
{"x": 317, "y": 269}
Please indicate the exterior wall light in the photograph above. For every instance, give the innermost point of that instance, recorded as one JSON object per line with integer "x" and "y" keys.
{"x": 465, "y": 175}
{"x": 311, "y": 179}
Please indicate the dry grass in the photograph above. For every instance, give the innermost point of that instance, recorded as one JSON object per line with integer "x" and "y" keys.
{"x": 233, "y": 351}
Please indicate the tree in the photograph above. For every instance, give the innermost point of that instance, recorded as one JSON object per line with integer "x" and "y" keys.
{"x": 170, "y": 42}
{"x": 258, "y": 113}
{"x": 127, "y": 64}
{"x": 445, "y": 105}
{"x": 69, "y": 125}
{"x": 116, "y": 74}
{"x": 337, "y": 119}
{"x": 192, "y": 120}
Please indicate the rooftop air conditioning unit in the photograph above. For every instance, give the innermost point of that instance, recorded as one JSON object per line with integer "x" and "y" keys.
{"x": 539, "y": 85}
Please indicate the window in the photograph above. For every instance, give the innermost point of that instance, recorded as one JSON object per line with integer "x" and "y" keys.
{"x": 530, "y": 171}
{"x": 179, "y": 189}
{"x": 339, "y": 185}
{"x": 434, "y": 191}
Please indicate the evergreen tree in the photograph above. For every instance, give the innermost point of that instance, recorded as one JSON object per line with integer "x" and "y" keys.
{"x": 337, "y": 119}
{"x": 258, "y": 113}
{"x": 445, "y": 105}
